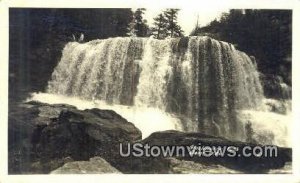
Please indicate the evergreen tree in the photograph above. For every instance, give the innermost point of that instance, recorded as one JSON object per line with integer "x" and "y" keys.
{"x": 160, "y": 27}
{"x": 166, "y": 25}
{"x": 140, "y": 24}
{"x": 196, "y": 28}
{"x": 173, "y": 29}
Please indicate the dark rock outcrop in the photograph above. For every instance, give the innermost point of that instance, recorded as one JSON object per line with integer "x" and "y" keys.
{"x": 274, "y": 87}
{"x": 238, "y": 162}
{"x": 42, "y": 136}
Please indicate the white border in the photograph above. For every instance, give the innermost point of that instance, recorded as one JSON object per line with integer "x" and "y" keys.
{"x": 254, "y": 4}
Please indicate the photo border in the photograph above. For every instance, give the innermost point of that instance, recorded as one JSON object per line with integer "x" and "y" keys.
{"x": 234, "y": 4}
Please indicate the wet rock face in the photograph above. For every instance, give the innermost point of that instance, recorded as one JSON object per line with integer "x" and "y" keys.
{"x": 274, "y": 87}
{"x": 278, "y": 106}
{"x": 41, "y": 136}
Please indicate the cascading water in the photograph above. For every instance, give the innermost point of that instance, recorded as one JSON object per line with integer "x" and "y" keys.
{"x": 200, "y": 83}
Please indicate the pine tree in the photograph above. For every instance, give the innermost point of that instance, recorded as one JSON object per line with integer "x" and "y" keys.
{"x": 196, "y": 29}
{"x": 160, "y": 27}
{"x": 130, "y": 29}
{"x": 140, "y": 24}
{"x": 173, "y": 29}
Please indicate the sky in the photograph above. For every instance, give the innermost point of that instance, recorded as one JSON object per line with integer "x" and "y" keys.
{"x": 187, "y": 18}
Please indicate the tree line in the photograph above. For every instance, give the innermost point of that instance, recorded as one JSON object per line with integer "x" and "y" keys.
{"x": 265, "y": 34}
{"x": 165, "y": 24}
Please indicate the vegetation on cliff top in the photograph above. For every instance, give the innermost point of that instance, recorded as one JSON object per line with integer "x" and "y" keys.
{"x": 265, "y": 34}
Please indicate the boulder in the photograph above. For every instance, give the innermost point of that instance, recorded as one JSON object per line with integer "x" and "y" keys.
{"x": 190, "y": 167}
{"x": 41, "y": 135}
{"x": 25, "y": 122}
{"x": 95, "y": 165}
{"x": 238, "y": 163}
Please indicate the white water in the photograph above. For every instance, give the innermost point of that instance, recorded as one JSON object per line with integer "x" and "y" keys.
{"x": 268, "y": 127}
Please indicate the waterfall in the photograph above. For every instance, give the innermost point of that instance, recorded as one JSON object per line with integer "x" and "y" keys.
{"x": 204, "y": 82}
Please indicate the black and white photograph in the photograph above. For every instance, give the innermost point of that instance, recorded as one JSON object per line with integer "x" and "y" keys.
{"x": 150, "y": 90}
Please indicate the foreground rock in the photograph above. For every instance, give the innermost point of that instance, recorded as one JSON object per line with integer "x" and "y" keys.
{"x": 237, "y": 163}
{"x": 43, "y": 137}
{"x": 190, "y": 167}
{"x": 95, "y": 165}
{"x": 47, "y": 138}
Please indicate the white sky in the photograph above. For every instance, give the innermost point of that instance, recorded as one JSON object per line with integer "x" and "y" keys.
{"x": 187, "y": 18}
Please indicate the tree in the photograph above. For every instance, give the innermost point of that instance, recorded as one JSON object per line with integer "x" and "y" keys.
{"x": 140, "y": 24}
{"x": 160, "y": 27}
{"x": 173, "y": 29}
{"x": 166, "y": 25}
{"x": 196, "y": 28}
